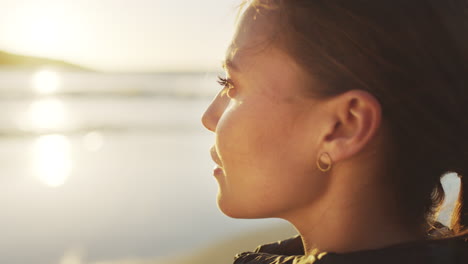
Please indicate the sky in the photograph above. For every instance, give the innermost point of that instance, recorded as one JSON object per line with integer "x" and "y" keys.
{"x": 121, "y": 35}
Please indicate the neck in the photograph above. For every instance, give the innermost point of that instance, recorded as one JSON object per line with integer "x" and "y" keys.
{"x": 363, "y": 218}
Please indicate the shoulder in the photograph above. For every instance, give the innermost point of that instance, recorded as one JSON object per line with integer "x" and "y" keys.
{"x": 289, "y": 246}
{"x": 452, "y": 250}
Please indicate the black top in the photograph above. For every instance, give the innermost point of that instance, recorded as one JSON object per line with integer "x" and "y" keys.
{"x": 452, "y": 250}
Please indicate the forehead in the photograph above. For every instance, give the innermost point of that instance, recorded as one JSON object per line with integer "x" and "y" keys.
{"x": 253, "y": 34}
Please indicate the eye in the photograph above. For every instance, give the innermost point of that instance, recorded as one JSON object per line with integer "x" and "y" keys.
{"x": 227, "y": 85}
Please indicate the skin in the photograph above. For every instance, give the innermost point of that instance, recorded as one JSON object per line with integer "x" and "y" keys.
{"x": 269, "y": 137}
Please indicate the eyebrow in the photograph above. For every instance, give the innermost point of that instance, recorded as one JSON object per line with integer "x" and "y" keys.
{"x": 229, "y": 64}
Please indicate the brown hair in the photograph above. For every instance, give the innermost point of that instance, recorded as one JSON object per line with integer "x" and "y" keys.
{"x": 412, "y": 56}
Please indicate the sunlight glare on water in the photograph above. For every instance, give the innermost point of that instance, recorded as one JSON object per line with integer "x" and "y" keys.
{"x": 46, "y": 81}
{"x": 52, "y": 159}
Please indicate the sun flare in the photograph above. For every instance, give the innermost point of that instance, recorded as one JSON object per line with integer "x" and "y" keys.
{"x": 37, "y": 29}
{"x": 44, "y": 32}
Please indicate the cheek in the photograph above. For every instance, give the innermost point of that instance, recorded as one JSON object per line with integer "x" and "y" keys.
{"x": 263, "y": 136}
{"x": 235, "y": 134}
{"x": 250, "y": 134}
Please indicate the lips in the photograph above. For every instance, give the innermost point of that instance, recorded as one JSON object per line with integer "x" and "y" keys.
{"x": 215, "y": 157}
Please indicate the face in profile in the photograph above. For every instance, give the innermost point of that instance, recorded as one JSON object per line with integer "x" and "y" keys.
{"x": 266, "y": 140}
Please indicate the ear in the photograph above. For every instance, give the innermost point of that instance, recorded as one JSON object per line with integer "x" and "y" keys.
{"x": 354, "y": 118}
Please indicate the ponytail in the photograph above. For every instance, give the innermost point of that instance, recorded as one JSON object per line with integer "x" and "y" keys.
{"x": 463, "y": 202}
{"x": 459, "y": 221}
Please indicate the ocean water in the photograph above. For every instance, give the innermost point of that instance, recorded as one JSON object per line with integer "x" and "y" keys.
{"x": 114, "y": 166}
{"x": 111, "y": 165}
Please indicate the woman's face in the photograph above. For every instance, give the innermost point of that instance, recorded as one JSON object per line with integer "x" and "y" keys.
{"x": 266, "y": 130}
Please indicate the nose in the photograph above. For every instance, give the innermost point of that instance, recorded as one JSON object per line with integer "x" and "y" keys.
{"x": 214, "y": 112}
{"x": 208, "y": 119}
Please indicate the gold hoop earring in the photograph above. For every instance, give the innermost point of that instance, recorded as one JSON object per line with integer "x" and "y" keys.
{"x": 329, "y": 165}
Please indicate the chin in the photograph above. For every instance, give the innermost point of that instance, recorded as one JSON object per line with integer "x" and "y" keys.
{"x": 227, "y": 208}
{"x": 234, "y": 210}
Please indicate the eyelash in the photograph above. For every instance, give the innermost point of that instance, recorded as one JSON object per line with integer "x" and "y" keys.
{"x": 226, "y": 84}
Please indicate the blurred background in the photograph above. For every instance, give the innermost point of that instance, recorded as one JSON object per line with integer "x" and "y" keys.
{"x": 103, "y": 158}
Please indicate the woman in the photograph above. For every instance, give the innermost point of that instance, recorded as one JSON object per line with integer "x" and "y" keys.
{"x": 340, "y": 117}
